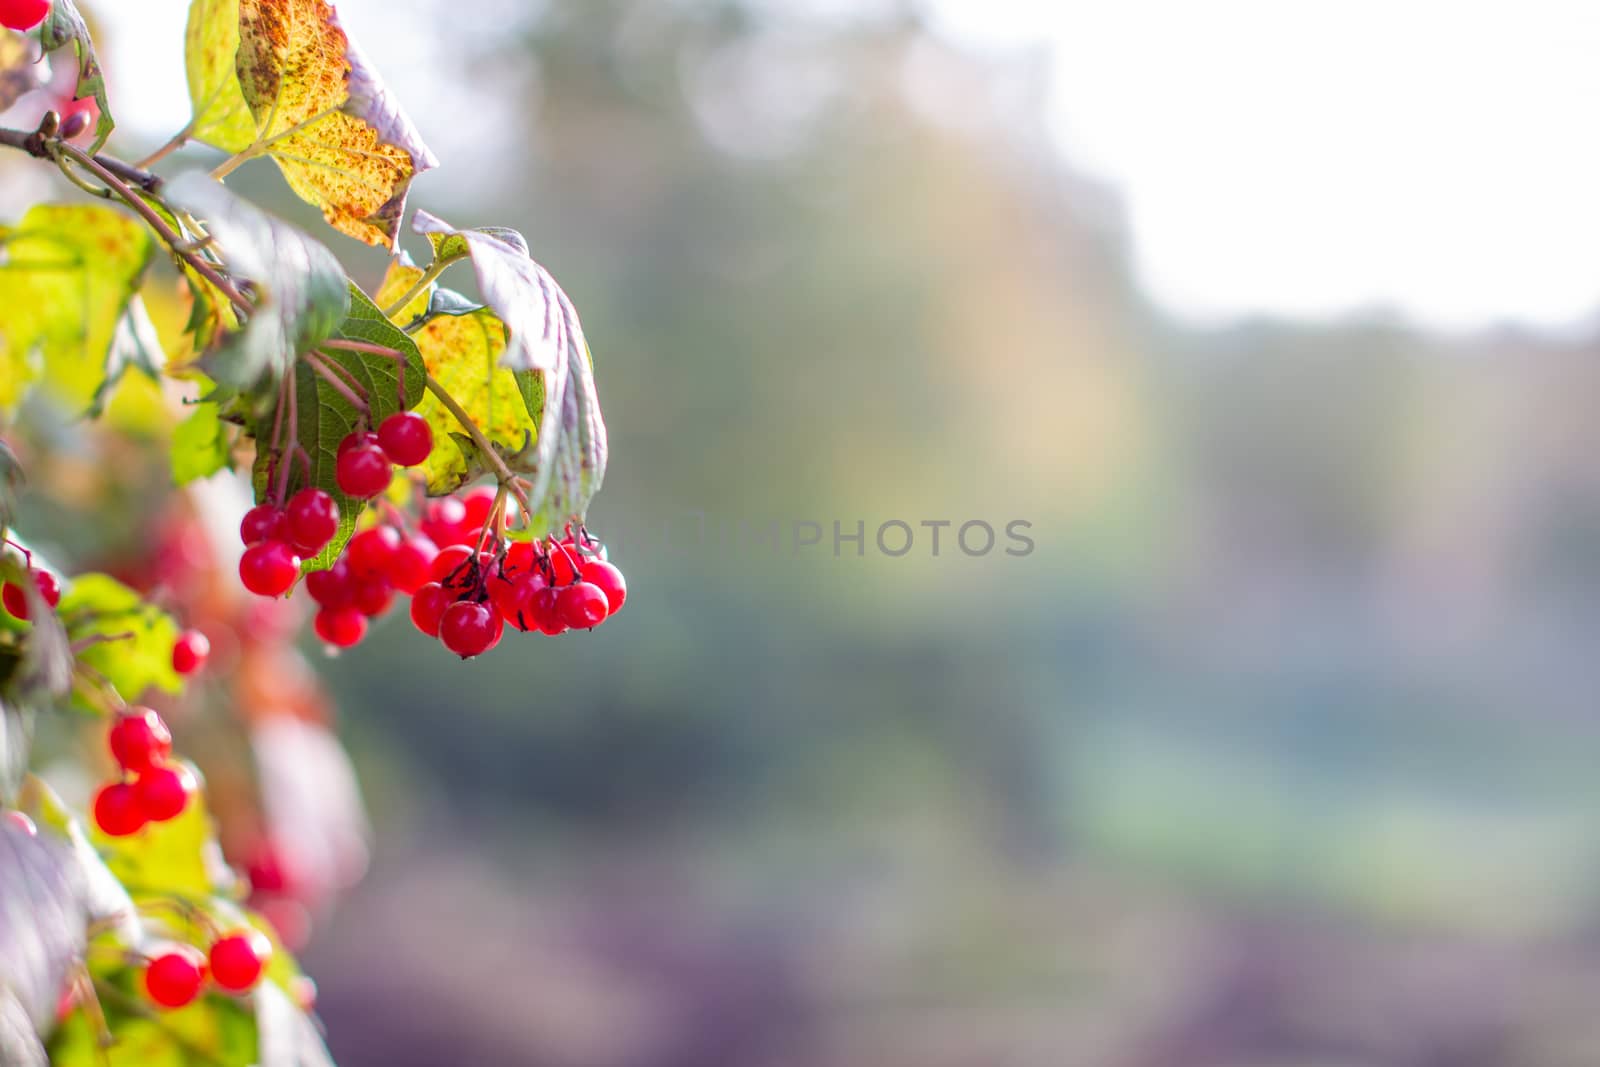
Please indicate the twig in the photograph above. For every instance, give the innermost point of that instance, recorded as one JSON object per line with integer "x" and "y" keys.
{"x": 337, "y": 383}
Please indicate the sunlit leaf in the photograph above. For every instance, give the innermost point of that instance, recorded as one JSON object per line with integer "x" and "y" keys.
{"x": 302, "y": 293}
{"x": 221, "y": 119}
{"x": 567, "y": 458}
{"x": 324, "y": 416}
{"x": 199, "y": 445}
{"x": 140, "y": 657}
{"x": 312, "y": 102}
{"x": 214, "y": 1031}
{"x": 463, "y": 353}
{"x": 66, "y": 278}
{"x": 64, "y": 26}
{"x": 19, "y": 74}
{"x": 134, "y": 346}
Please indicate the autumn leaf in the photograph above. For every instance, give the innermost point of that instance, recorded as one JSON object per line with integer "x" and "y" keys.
{"x": 312, "y": 102}
{"x": 567, "y": 458}
{"x": 66, "y": 278}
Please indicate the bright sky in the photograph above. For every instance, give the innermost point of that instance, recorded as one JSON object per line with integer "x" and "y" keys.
{"x": 1307, "y": 158}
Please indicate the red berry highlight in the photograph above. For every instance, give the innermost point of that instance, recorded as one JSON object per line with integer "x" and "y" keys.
{"x": 269, "y": 568}
{"x": 261, "y": 523}
{"x": 363, "y": 472}
{"x": 163, "y": 792}
{"x": 310, "y": 520}
{"x": 190, "y": 651}
{"x": 410, "y": 564}
{"x": 117, "y": 811}
{"x": 406, "y": 438}
{"x": 239, "y": 959}
{"x": 428, "y": 607}
{"x": 469, "y": 629}
{"x": 23, "y": 14}
{"x": 174, "y": 979}
{"x": 583, "y": 606}
{"x": 139, "y": 740}
{"x": 341, "y": 627}
{"x": 609, "y": 579}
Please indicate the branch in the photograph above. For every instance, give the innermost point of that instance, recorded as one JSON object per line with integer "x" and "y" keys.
{"x": 34, "y": 145}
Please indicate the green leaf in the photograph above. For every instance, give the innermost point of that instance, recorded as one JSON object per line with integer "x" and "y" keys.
{"x": 221, "y": 119}
{"x": 302, "y": 290}
{"x": 312, "y": 102}
{"x": 134, "y": 346}
{"x": 463, "y": 354}
{"x": 68, "y": 275}
{"x": 100, "y": 605}
{"x": 179, "y": 857}
{"x": 325, "y": 417}
{"x": 19, "y": 74}
{"x": 64, "y": 26}
{"x": 214, "y": 1031}
{"x": 567, "y": 457}
{"x": 200, "y": 446}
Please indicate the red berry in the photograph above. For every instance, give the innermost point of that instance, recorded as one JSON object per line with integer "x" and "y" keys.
{"x": 428, "y": 607}
{"x": 163, "y": 792}
{"x": 502, "y": 594}
{"x": 583, "y": 606}
{"x": 445, "y": 522}
{"x": 469, "y": 629}
{"x": 370, "y": 550}
{"x": 410, "y": 564}
{"x": 372, "y": 595}
{"x": 565, "y": 559}
{"x": 363, "y": 472}
{"x": 238, "y": 960}
{"x": 546, "y": 611}
{"x": 174, "y": 979}
{"x": 117, "y": 810}
{"x": 16, "y": 601}
{"x": 269, "y": 568}
{"x": 23, "y": 14}
{"x": 341, "y": 627}
{"x": 310, "y": 520}
{"x": 139, "y": 740}
{"x": 478, "y": 503}
{"x": 360, "y": 439}
{"x": 519, "y": 557}
{"x": 406, "y": 438}
{"x": 333, "y": 587}
{"x": 453, "y": 568}
{"x": 261, "y": 523}
{"x": 21, "y": 822}
{"x": 611, "y": 583}
{"x": 189, "y": 652}
{"x": 516, "y": 606}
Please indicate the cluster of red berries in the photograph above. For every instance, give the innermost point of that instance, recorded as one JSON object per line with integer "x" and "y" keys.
{"x": 23, "y": 15}
{"x": 277, "y": 539}
{"x": 235, "y": 963}
{"x": 152, "y": 788}
{"x": 16, "y": 601}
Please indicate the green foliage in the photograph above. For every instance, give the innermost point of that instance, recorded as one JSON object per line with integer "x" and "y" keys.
{"x": 303, "y": 294}
{"x": 69, "y": 274}
{"x": 138, "y": 654}
{"x": 213, "y": 1030}
{"x": 199, "y": 444}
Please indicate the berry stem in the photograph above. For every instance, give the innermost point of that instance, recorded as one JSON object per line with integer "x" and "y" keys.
{"x": 179, "y": 139}
{"x": 507, "y": 479}
{"x": 83, "y": 645}
{"x": 333, "y": 378}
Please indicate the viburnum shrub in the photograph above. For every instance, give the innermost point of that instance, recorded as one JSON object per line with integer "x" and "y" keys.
{"x": 331, "y": 456}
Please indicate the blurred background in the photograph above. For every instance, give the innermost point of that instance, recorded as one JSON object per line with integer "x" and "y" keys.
{"x": 1274, "y": 324}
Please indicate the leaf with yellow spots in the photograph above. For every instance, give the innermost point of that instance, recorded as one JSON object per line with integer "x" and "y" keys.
{"x": 463, "y": 354}
{"x": 546, "y": 348}
{"x": 67, "y": 274}
{"x": 310, "y": 101}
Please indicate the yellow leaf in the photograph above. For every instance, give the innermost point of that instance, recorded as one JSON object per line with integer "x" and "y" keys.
{"x": 221, "y": 116}
{"x": 68, "y": 272}
{"x": 463, "y": 353}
